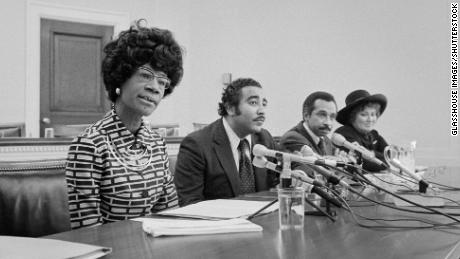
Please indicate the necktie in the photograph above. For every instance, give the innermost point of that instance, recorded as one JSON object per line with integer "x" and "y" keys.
{"x": 322, "y": 147}
{"x": 246, "y": 171}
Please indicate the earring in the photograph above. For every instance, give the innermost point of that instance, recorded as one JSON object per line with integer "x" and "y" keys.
{"x": 117, "y": 91}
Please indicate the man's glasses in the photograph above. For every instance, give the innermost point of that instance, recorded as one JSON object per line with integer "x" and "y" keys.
{"x": 147, "y": 75}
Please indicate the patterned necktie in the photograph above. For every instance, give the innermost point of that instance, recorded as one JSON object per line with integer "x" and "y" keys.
{"x": 322, "y": 147}
{"x": 246, "y": 171}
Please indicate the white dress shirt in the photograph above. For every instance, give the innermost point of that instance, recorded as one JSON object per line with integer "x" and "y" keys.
{"x": 235, "y": 142}
{"x": 312, "y": 135}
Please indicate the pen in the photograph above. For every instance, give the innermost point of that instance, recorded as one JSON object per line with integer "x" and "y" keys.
{"x": 262, "y": 209}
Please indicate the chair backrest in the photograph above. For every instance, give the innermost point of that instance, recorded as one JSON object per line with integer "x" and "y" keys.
{"x": 198, "y": 126}
{"x": 68, "y": 131}
{"x": 172, "y": 163}
{"x": 12, "y": 130}
{"x": 166, "y": 130}
{"x": 33, "y": 198}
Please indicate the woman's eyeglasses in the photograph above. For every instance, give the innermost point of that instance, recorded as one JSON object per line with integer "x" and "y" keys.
{"x": 147, "y": 75}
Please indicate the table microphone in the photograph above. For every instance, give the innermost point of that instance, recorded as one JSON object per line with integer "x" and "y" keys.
{"x": 313, "y": 186}
{"x": 340, "y": 140}
{"x": 422, "y": 184}
{"x": 307, "y": 151}
{"x": 260, "y": 150}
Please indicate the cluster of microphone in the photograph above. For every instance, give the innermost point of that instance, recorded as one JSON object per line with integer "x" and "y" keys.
{"x": 321, "y": 164}
{"x": 340, "y": 141}
{"x": 312, "y": 185}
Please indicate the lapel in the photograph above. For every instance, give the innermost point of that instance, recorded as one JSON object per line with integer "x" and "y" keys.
{"x": 301, "y": 129}
{"x": 224, "y": 154}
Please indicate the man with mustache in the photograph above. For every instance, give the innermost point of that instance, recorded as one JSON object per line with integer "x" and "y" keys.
{"x": 318, "y": 115}
{"x": 215, "y": 162}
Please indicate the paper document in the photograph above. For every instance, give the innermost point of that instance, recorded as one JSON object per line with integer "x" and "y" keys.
{"x": 220, "y": 209}
{"x": 174, "y": 227}
{"x": 12, "y": 247}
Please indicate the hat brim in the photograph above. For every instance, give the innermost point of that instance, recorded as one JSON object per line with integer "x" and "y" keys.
{"x": 344, "y": 114}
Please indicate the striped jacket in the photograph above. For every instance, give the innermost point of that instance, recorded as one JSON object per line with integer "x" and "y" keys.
{"x": 113, "y": 175}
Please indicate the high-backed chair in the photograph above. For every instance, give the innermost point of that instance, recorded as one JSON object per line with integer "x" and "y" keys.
{"x": 68, "y": 131}
{"x": 166, "y": 130}
{"x": 172, "y": 163}
{"x": 198, "y": 126}
{"x": 11, "y": 130}
{"x": 33, "y": 198}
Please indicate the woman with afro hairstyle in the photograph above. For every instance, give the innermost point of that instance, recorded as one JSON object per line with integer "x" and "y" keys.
{"x": 118, "y": 167}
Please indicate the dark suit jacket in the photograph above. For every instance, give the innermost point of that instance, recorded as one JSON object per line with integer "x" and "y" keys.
{"x": 297, "y": 137}
{"x": 206, "y": 170}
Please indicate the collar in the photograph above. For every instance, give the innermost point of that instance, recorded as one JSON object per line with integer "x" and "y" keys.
{"x": 118, "y": 132}
{"x": 232, "y": 137}
{"x": 312, "y": 135}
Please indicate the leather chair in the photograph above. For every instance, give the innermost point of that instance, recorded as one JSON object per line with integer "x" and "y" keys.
{"x": 68, "y": 131}
{"x": 13, "y": 130}
{"x": 33, "y": 198}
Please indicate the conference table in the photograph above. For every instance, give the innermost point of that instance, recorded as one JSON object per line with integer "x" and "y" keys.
{"x": 320, "y": 238}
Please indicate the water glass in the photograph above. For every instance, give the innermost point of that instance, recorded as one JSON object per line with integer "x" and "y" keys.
{"x": 291, "y": 207}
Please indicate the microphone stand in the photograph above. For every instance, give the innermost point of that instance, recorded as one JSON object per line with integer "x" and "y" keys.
{"x": 285, "y": 182}
{"x": 319, "y": 212}
{"x": 329, "y": 212}
{"x": 285, "y": 164}
{"x": 328, "y": 204}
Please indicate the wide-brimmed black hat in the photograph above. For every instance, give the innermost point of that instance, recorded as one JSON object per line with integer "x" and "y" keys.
{"x": 356, "y": 98}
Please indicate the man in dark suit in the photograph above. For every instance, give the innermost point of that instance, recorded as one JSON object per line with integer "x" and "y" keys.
{"x": 215, "y": 162}
{"x": 318, "y": 112}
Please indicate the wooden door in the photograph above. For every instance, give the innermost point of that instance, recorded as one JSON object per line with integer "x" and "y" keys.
{"x": 71, "y": 85}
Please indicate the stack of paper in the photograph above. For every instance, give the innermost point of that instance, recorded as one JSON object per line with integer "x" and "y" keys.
{"x": 220, "y": 209}
{"x": 173, "y": 227}
{"x": 25, "y": 247}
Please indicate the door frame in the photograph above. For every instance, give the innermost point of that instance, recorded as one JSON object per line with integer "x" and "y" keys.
{"x": 37, "y": 10}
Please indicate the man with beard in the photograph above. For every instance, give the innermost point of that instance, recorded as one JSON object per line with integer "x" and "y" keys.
{"x": 318, "y": 113}
{"x": 215, "y": 162}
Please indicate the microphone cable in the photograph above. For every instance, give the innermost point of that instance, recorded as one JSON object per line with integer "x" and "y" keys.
{"x": 446, "y": 187}
{"x": 430, "y": 223}
{"x": 410, "y": 189}
{"x": 434, "y": 211}
{"x": 413, "y": 190}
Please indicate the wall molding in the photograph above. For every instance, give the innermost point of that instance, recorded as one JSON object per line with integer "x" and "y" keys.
{"x": 37, "y": 10}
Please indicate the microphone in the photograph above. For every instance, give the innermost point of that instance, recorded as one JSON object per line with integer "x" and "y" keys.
{"x": 330, "y": 177}
{"x": 307, "y": 151}
{"x": 313, "y": 186}
{"x": 423, "y": 185}
{"x": 260, "y": 150}
{"x": 340, "y": 140}
{"x": 262, "y": 162}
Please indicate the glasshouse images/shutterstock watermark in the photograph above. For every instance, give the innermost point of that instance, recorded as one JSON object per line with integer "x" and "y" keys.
{"x": 454, "y": 69}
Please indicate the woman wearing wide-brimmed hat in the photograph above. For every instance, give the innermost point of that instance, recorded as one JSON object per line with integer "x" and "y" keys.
{"x": 358, "y": 117}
